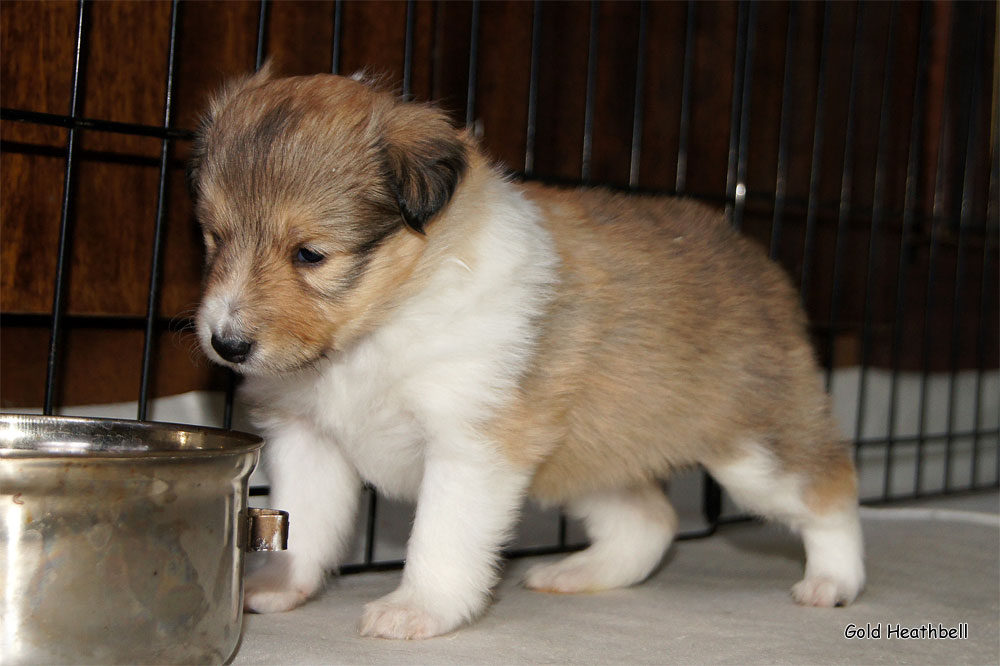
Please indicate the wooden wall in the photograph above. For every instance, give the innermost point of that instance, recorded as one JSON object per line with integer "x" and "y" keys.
{"x": 123, "y": 78}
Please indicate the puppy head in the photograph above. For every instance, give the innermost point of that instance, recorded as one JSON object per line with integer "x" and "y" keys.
{"x": 314, "y": 195}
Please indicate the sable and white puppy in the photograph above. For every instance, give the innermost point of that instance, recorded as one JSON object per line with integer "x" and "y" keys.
{"x": 405, "y": 315}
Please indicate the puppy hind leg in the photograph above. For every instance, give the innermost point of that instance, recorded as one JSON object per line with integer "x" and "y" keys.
{"x": 630, "y": 529}
{"x": 824, "y": 512}
{"x": 835, "y": 570}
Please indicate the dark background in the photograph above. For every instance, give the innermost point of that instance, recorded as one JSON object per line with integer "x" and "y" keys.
{"x": 932, "y": 289}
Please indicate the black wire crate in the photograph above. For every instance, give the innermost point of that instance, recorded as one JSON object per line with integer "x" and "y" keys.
{"x": 857, "y": 141}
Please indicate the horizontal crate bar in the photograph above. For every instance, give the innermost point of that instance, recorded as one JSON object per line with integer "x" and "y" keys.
{"x": 76, "y": 122}
{"x": 94, "y": 321}
{"x": 925, "y": 437}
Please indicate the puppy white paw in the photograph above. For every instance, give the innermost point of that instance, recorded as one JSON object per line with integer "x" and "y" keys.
{"x": 823, "y": 591}
{"x": 571, "y": 575}
{"x": 264, "y": 600}
{"x": 272, "y": 590}
{"x": 400, "y": 616}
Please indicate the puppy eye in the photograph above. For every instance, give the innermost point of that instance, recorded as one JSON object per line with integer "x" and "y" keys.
{"x": 307, "y": 256}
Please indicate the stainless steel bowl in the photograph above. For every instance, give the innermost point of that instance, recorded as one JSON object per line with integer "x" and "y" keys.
{"x": 122, "y": 541}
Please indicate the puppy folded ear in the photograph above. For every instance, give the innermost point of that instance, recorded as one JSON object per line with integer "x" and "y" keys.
{"x": 425, "y": 159}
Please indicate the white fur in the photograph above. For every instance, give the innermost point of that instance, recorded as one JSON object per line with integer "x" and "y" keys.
{"x": 400, "y": 409}
{"x": 319, "y": 488}
{"x": 835, "y": 570}
{"x": 629, "y": 529}
{"x": 220, "y": 313}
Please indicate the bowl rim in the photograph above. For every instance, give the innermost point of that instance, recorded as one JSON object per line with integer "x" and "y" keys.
{"x": 51, "y": 429}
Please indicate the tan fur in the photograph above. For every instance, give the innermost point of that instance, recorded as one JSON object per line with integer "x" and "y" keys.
{"x": 669, "y": 341}
{"x": 834, "y": 488}
{"x": 285, "y": 199}
{"x": 598, "y": 342}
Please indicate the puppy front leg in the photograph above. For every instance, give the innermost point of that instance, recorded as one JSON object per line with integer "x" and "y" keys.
{"x": 465, "y": 510}
{"x": 314, "y": 483}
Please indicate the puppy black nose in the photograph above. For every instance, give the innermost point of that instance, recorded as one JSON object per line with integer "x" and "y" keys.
{"x": 233, "y": 350}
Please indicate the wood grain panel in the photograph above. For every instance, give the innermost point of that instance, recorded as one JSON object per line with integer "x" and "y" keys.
{"x": 562, "y": 90}
{"x": 30, "y": 201}
{"x": 712, "y": 92}
{"x": 663, "y": 88}
{"x": 32, "y": 35}
{"x": 101, "y": 365}
{"x": 374, "y": 35}
{"x": 614, "y": 94}
{"x": 37, "y": 41}
{"x": 123, "y": 79}
{"x": 504, "y": 73}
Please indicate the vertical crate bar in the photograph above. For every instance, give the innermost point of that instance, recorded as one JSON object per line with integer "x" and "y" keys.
{"x": 819, "y": 123}
{"x": 964, "y": 223}
{"x": 590, "y": 98}
{"x": 906, "y": 241}
{"x": 734, "y": 114}
{"x": 370, "y": 522}
{"x": 743, "y": 152}
{"x": 680, "y": 177}
{"x": 991, "y": 226}
{"x": 639, "y": 98}
{"x": 261, "y": 35}
{"x": 227, "y": 412}
{"x": 470, "y": 98}
{"x": 875, "y": 232}
{"x": 937, "y": 220}
{"x": 159, "y": 227}
{"x": 711, "y": 501}
{"x": 846, "y": 195}
{"x": 408, "y": 50}
{"x": 338, "y": 33}
{"x": 63, "y": 258}
{"x": 529, "y": 140}
{"x": 781, "y": 177}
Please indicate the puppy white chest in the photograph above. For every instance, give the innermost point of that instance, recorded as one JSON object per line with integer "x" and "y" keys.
{"x": 355, "y": 407}
{"x": 368, "y": 418}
